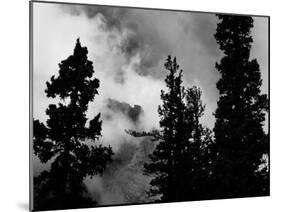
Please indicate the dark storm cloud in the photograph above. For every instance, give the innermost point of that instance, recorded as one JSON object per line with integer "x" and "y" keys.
{"x": 132, "y": 113}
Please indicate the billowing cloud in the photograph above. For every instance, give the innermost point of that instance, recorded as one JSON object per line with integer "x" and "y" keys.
{"x": 114, "y": 106}
{"x": 123, "y": 181}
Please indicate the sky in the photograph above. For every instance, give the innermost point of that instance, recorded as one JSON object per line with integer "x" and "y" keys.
{"x": 128, "y": 48}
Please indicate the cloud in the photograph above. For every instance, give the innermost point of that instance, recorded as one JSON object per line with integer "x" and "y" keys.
{"x": 114, "y": 18}
{"x": 132, "y": 113}
{"x": 123, "y": 181}
{"x": 189, "y": 36}
{"x": 260, "y": 48}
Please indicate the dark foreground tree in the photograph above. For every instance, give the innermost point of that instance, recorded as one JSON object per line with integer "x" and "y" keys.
{"x": 240, "y": 141}
{"x": 179, "y": 163}
{"x": 166, "y": 161}
{"x": 68, "y": 140}
{"x": 197, "y": 153}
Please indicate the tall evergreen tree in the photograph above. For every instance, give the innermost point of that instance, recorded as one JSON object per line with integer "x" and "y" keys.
{"x": 197, "y": 154}
{"x": 67, "y": 139}
{"x": 166, "y": 159}
{"x": 179, "y": 163}
{"x": 240, "y": 141}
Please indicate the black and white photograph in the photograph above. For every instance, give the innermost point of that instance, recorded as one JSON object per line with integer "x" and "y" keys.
{"x": 138, "y": 105}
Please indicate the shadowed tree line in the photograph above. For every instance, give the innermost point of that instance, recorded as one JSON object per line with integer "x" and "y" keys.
{"x": 190, "y": 161}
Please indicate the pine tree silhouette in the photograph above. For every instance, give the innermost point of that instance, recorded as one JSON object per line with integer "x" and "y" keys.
{"x": 179, "y": 163}
{"x": 240, "y": 141}
{"x": 167, "y": 157}
{"x": 67, "y": 139}
{"x": 197, "y": 155}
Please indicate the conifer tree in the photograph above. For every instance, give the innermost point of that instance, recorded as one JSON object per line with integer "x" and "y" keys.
{"x": 165, "y": 161}
{"x": 67, "y": 139}
{"x": 179, "y": 163}
{"x": 197, "y": 154}
{"x": 240, "y": 141}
